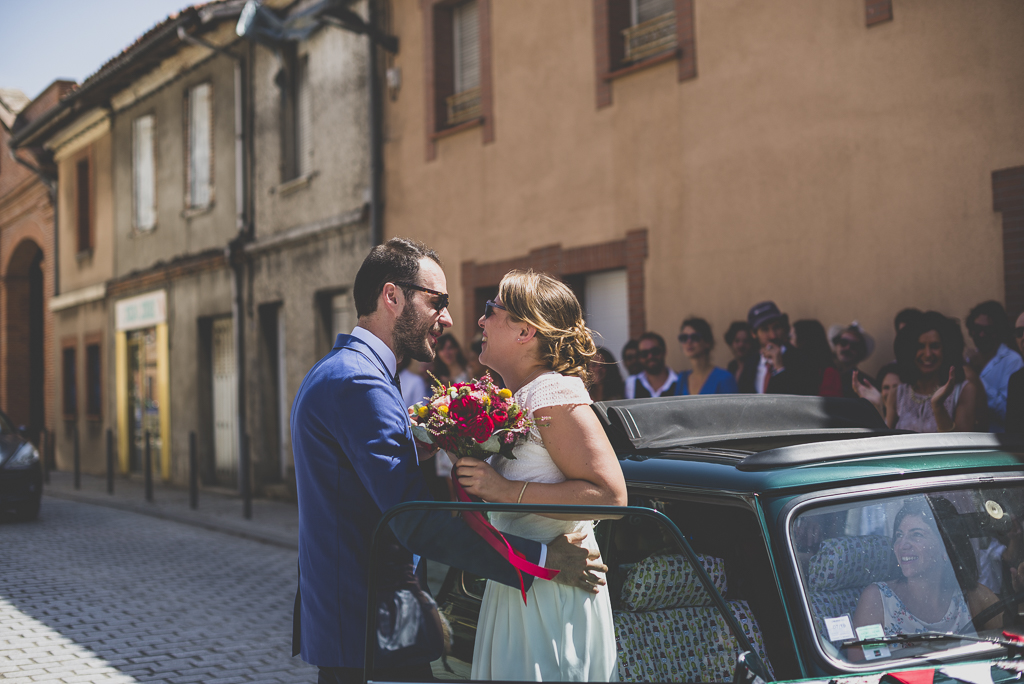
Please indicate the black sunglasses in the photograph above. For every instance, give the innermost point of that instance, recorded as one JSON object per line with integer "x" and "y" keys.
{"x": 696, "y": 337}
{"x": 654, "y": 351}
{"x": 442, "y": 297}
{"x": 490, "y": 305}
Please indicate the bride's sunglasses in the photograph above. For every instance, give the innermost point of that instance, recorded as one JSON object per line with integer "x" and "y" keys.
{"x": 490, "y": 305}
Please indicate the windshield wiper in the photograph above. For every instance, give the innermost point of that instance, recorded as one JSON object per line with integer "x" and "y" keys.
{"x": 1010, "y": 641}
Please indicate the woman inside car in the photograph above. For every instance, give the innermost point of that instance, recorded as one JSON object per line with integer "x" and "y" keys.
{"x": 937, "y": 589}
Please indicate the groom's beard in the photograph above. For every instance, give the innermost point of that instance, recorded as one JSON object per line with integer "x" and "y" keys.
{"x": 411, "y": 337}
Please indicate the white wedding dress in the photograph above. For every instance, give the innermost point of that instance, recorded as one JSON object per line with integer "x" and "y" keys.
{"x": 564, "y": 633}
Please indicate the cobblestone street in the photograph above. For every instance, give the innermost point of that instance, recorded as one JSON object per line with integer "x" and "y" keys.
{"x": 92, "y": 594}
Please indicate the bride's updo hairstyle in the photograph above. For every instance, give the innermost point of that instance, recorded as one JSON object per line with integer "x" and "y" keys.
{"x": 547, "y": 304}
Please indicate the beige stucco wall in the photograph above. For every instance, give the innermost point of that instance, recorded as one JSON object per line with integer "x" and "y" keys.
{"x": 81, "y": 270}
{"x": 841, "y": 170}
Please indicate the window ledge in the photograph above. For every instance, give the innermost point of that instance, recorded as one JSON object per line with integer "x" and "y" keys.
{"x": 192, "y": 212}
{"x": 667, "y": 56}
{"x": 288, "y": 187}
{"x": 94, "y": 418}
{"x": 84, "y": 255}
{"x": 458, "y": 128}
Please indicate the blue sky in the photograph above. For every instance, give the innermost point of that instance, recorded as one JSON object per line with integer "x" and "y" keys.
{"x": 43, "y": 40}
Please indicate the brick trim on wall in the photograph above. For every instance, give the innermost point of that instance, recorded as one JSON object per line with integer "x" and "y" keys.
{"x": 608, "y": 16}
{"x": 1008, "y": 199}
{"x": 877, "y": 11}
{"x": 629, "y": 253}
{"x": 434, "y": 82}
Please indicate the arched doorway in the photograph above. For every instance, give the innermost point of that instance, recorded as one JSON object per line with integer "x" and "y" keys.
{"x": 24, "y": 373}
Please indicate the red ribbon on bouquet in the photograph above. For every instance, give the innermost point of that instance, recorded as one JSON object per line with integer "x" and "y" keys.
{"x": 478, "y": 523}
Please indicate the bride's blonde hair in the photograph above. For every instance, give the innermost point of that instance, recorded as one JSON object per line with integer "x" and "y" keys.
{"x": 547, "y": 304}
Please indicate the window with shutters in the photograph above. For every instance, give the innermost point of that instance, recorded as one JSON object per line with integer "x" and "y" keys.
{"x": 93, "y": 382}
{"x": 144, "y": 173}
{"x": 296, "y": 116}
{"x": 199, "y": 141}
{"x": 459, "y": 92}
{"x": 634, "y": 34}
{"x": 70, "y": 385}
{"x": 83, "y": 205}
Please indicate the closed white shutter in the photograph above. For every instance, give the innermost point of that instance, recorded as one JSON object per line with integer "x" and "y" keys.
{"x": 343, "y": 315}
{"x": 225, "y": 396}
{"x": 199, "y": 145}
{"x": 466, "y": 39}
{"x": 144, "y": 173}
{"x": 606, "y": 296}
{"x": 303, "y": 119}
{"x": 645, "y": 10}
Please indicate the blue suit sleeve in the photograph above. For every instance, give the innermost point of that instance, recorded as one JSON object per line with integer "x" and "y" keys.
{"x": 372, "y": 428}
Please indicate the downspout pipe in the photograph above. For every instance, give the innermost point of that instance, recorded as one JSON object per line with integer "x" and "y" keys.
{"x": 376, "y": 134}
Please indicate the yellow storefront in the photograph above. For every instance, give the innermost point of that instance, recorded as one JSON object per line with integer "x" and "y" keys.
{"x": 143, "y": 383}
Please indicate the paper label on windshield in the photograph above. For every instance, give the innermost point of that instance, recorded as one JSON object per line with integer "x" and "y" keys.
{"x": 839, "y": 628}
{"x": 873, "y": 651}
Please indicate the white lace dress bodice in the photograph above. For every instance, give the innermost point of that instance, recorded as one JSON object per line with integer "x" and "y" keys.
{"x": 532, "y": 462}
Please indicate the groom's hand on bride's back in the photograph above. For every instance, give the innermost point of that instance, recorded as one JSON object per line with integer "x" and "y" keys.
{"x": 578, "y": 566}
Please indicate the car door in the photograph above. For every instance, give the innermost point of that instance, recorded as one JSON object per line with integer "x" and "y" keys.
{"x": 670, "y": 620}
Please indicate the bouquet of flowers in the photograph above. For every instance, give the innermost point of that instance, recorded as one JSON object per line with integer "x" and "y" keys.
{"x": 471, "y": 419}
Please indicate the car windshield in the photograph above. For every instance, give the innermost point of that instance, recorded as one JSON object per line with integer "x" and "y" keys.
{"x": 949, "y": 562}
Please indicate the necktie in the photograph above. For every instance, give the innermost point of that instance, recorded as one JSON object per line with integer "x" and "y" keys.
{"x": 398, "y": 382}
{"x": 767, "y": 376}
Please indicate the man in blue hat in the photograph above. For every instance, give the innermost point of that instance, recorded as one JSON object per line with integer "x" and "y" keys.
{"x": 775, "y": 368}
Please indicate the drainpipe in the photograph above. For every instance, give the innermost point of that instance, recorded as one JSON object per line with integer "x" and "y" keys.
{"x": 235, "y": 252}
{"x": 376, "y": 135}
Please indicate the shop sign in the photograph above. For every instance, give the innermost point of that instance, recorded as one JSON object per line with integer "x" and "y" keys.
{"x": 143, "y": 311}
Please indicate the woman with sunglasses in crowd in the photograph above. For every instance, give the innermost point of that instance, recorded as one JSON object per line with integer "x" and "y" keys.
{"x": 535, "y": 338}
{"x": 703, "y": 377}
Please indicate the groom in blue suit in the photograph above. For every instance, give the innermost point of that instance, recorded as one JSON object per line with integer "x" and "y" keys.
{"x": 355, "y": 458}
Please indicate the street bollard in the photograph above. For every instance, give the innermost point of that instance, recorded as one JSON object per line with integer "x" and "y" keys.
{"x": 78, "y": 459}
{"x": 110, "y": 461}
{"x": 246, "y": 478}
{"x": 147, "y": 467}
{"x": 44, "y": 445}
{"x": 193, "y": 472}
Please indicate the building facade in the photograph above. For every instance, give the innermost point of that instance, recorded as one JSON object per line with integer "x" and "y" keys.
{"x": 676, "y": 157}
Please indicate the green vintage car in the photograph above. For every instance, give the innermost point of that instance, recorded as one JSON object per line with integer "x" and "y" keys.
{"x": 784, "y": 530}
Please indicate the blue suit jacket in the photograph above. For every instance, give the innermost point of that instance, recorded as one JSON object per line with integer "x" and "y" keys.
{"x": 354, "y": 459}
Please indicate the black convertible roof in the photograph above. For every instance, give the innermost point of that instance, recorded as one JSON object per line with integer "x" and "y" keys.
{"x": 750, "y": 422}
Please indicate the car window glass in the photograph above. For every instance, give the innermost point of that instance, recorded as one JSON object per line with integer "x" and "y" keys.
{"x": 946, "y": 561}
{"x": 664, "y": 623}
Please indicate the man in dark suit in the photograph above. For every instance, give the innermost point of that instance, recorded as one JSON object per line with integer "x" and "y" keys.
{"x": 775, "y": 367}
{"x": 355, "y": 458}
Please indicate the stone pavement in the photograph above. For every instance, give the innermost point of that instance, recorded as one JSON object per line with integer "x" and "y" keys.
{"x": 94, "y": 594}
{"x": 272, "y": 522}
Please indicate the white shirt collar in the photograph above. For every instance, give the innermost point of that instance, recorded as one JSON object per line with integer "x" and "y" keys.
{"x": 377, "y": 345}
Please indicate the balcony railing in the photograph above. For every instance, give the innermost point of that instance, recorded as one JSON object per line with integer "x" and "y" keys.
{"x": 651, "y": 37}
{"x": 464, "y": 106}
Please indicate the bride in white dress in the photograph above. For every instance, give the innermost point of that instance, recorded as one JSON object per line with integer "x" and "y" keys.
{"x": 535, "y": 338}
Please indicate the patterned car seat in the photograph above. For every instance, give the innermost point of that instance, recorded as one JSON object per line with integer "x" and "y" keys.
{"x": 669, "y": 631}
{"x": 839, "y": 571}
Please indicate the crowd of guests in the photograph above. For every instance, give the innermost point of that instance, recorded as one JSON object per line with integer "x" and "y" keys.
{"x": 935, "y": 383}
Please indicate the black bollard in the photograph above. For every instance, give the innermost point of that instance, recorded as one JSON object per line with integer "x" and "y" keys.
{"x": 78, "y": 459}
{"x": 110, "y": 461}
{"x": 44, "y": 446}
{"x": 147, "y": 466}
{"x": 193, "y": 472}
{"x": 246, "y": 477}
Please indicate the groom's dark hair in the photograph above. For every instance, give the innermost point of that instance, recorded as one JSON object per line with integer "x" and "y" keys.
{"x": 397, "y": 260}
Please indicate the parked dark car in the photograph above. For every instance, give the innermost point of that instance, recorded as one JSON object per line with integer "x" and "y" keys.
{"x": 21, "y": 473}
{"x": 756, "y": 523}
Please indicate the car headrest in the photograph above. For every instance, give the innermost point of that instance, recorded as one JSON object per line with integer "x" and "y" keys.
{"x": 851, "y": 563}
{"x": 669, "y": 581}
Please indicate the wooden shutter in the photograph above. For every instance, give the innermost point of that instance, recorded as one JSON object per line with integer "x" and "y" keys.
{"x": 144, "y": 172}
{"x": 225, "y": 396}
{"x": 466, "y": 44}
{"x": 84, "y": 206}
{"x": 303, "y": 119}
{"x": 200, "y": 145}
